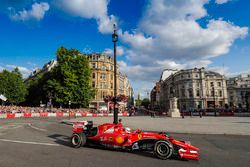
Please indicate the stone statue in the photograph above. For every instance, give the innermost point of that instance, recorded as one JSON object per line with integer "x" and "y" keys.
{"x": 173, "y": 110}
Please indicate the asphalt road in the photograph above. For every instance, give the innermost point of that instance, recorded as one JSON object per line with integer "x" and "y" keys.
{"x": 44, "y": 142}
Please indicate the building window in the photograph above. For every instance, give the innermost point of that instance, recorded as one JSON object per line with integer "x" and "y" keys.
{"x": 102, "y": 58}
{"x": 103, "y": 76}
{"x": 198, "y": 92}
{"x": 94, "y": 58}
{"x": 212, "y": 93}
{"x": 219, "y": 84}
{"x": 93, "y": 75}
{"x": 196, "y": 75}
{"x": 111, "y": 67}
{"x": 211, "y": 84}
{"x": 190, "y": 84}
{"x": 93, "y": 84}
{"x": 111, "y": 76}
{"x": 93, "y": 65}
{"x": 190, "y": 92}
{"x": 111, "y": 85}
{"x": 103, "y": 68}
{"x": 220, "y": 93}
{"x": 231, "y": 98}
{"x": 103, "y": 85}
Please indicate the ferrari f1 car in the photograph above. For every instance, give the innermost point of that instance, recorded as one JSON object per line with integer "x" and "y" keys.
{"x": 116, "y": 136}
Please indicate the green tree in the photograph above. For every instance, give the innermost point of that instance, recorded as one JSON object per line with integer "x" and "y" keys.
{"x": 12, "y": 86}
{"x": 36, "y": 93}
{"x": 145, "y": 102}
{"x": 70, "y": 80}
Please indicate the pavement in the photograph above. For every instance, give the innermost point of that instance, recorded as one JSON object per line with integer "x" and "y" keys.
{"x": 39, "y": 142}
{"x": 188, "y": 125}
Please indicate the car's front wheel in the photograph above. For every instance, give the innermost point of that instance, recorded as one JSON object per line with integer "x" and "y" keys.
{"x": 78, "y": 140}
{"x": 163, "y": 149}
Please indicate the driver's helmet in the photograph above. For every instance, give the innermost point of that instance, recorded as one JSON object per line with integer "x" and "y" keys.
{"x": 128, "y": 130}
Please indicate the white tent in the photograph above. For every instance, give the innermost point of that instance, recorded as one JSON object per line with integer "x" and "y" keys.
{"x": 2, "y": 97}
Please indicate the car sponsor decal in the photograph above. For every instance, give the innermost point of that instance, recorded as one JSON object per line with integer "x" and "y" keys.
{"x": 135, "y": 146}
{"x": 105, "y": 128}
{"x": 110, "y": 139}
{"x": 139, "y": 136}
{"x": 119, "y": 140}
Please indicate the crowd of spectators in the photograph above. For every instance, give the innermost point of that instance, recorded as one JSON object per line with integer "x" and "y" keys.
{"x": 20, "y": 109}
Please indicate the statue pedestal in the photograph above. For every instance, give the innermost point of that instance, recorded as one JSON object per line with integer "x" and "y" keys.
{"x": 173, "y": 110}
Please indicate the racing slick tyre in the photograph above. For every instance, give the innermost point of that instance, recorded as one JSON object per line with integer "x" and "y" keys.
{"x": 78, "y": 140}
{"x": 163, "y": 149}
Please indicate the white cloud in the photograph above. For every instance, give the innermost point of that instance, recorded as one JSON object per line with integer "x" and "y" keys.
{"x": 90, "y": 9}
{"x": 24, "y": 71}
{"x": 36, "y": 12}
{"x": 221, "y": 1}
{"x": 220, "y": 69}
{"x": 119, "y": 51}
{"x": 169, "y": 36}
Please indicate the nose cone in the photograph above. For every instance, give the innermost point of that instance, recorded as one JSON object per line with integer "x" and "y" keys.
{"x": 193, "y": 148}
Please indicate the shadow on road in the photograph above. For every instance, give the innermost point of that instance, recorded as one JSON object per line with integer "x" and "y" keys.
{"x": 242, "y": 122}
{"x": 65, "y": 141}
{"x": 61, "y": 139}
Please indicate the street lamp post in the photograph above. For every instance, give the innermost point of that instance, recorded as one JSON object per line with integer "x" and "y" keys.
{"x": 69, "y": 108}
{"x": 214, "y": 102}
{"x": 115, "y": 39}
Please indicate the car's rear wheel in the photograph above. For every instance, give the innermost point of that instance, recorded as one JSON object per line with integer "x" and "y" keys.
{"x": 163, "y": 149}
{"x": 78, "y": 140}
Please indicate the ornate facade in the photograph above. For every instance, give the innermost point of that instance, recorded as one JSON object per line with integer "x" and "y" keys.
{"x": 239, "y": 91}
{"x": 194, "y": 88}
{"x": 102, "y": 67}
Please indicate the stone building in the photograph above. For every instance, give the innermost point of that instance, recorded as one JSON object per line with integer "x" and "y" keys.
{"x": 155, "y": 96}
{"x": 102, "y": 67}
{"x": 194, "y": 88}
{"x": 46, "y": 68}
{"x": 239, "y": 91}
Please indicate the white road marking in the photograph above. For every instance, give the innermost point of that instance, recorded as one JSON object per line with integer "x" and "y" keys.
{"x": 10, "y": 127}
{"x": 27, "y": 142}
{"x": 40, "y": 129}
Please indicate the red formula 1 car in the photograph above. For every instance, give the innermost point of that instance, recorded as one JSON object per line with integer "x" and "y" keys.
{"x": 116, "y": 136}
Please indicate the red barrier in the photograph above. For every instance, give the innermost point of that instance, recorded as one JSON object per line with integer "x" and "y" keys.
{"x": 125, "y": 114}
{"x": 72, "y": 114}
{"x": 10, "y": 115}
{"x": 27, "y": 114}
{"x": 43, "y": 114}
{"x": 83, "y": 114}
{"x": 94, "y": 115}
{"x": 59, "y": 114}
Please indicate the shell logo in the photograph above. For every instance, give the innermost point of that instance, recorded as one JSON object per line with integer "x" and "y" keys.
{"x": 119, "y": 140}
{"x": 105, "y": 128}
{"x": 139, "y": 136}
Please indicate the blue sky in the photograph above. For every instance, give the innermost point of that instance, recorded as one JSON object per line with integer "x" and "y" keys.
{"x": 154, "y": 34}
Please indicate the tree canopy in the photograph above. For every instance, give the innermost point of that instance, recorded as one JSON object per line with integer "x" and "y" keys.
{"x": 70, "y": 80}
{"x": 145, "y": 102}
{"x": 12, "y": 86}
